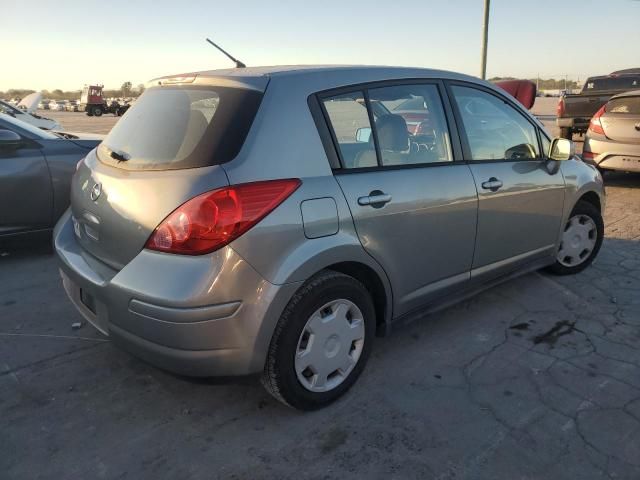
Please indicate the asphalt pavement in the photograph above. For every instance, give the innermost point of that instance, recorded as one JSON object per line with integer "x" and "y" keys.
{"x": 538, "y": 378}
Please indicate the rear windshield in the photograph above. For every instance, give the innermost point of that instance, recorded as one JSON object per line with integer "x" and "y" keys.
{"x": 623, "y": 82}
{"x": 629, "y": 105}
{"x": 181, "y": 127}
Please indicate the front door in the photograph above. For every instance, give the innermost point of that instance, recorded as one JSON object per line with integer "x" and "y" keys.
{"x": 25, "y": 188}
{"x": 414, "y": 207}
{"x": 520, "y": 201}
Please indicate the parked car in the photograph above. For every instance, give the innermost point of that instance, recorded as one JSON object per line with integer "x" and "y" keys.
{"x": 57, "y": 105}
{"x": 44, "y": 104}
{"x": 273, "y": 220}
{"x": 612, "y": 141}
{"x": 575, "y": 111}
{"x": 28, "y": 116}
{"x": 35, "y": 174}
{"x": 72, "y": 106}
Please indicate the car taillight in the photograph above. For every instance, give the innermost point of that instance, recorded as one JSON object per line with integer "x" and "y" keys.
{"x": 595, "y": 125}
{"x": 213, "y": 219}
{"x": 588, "y": 155}
{"x": 560, "y": 107}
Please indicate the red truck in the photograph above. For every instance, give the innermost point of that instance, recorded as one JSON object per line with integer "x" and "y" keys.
{"x": 92, "y": 102}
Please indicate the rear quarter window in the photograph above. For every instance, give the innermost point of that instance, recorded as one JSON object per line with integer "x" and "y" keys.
{"x": 181, "y": 127}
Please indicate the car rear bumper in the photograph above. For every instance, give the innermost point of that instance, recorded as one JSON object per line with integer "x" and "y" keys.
{"x": 612, "y": 155}
{"x": 577, "y": 123}
{"x": 210, "y": 315}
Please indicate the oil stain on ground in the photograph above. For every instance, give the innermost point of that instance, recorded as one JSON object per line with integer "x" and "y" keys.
{"x": 333, "y": 439}
{"x": 560, "y": 329}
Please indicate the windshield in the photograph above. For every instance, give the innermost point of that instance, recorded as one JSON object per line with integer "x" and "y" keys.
{"x": 8, "y": 109}
{"x": 623, "y": 82}
{"x": 625, "y": 105}
{"x": 181, "y": 127}
{"x": 35, "y": 131}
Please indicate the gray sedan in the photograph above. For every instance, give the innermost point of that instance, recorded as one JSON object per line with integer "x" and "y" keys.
{"x": 35, "y": 175}
{"x": 613, "y": 138}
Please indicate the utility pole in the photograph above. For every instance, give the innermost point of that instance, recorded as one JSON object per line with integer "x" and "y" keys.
{"x": 485, "y": 38}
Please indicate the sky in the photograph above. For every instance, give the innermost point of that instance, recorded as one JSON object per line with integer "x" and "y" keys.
{"x": 69, "y": 43}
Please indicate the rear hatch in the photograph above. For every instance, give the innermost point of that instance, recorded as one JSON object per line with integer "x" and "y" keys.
{"x": 165, "y": 150}
{"x": 621, "y": 119}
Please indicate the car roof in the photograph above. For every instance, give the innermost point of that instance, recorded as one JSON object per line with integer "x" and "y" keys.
{"x": 331, "y": 75}
{"x": 630, "y": 93}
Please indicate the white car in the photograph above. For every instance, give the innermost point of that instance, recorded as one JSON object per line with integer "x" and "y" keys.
{"x": 57, "y": 105}
{"x": 25, "y": 111}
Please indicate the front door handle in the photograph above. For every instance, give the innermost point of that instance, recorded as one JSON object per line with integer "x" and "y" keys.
{"x": 376, "y": 199}
{"x": 492, "y": 184}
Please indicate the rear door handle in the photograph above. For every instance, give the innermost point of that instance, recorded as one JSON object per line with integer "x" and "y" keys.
{"x": 492, "y": 184}
{"x": 375, "y": 199}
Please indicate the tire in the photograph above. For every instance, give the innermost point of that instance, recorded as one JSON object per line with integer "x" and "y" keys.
{"x": 281, "y": 373}
{"x": 566, "y": 132}
{"x": 582, "y": 210}
{"x": 97, "y": 111}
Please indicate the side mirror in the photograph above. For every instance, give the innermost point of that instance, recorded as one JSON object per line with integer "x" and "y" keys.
{"x": 562, "y": 149}
{"x": 9, "y": 140}
{"x": 363, "y": 134}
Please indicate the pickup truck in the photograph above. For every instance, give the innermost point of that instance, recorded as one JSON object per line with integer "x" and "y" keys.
{"x": 575, "y": 111}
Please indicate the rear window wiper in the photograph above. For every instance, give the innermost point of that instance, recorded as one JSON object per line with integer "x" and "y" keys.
{"x": 119, "y": 156}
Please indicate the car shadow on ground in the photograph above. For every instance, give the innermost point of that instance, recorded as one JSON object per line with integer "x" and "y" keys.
{"x": 622, "y": 179}
{"x": 496, "y": 386}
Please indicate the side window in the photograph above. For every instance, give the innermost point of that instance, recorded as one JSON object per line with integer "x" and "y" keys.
{"x": 350, "y": 122}
{"x": 410, "y": 125}
{"x": 494, "y": 129}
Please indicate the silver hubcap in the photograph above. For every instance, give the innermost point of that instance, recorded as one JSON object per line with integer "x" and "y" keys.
{"x": 578, "y": 240}
{"x": 329, "y": 346}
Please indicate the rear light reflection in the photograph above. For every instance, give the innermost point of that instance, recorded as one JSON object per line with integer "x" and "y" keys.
{"x": 560, "y": 107}
{"x": 213, "y": 219}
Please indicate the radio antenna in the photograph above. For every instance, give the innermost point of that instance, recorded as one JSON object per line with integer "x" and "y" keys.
{"x": 238, "y": 63}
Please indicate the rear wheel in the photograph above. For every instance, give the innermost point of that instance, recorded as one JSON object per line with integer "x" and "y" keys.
{"x": 97, "y": 111}
{"x": 566, "y": 132}
{"x": 321, "y": 342}
{"x": 581, "y": 240}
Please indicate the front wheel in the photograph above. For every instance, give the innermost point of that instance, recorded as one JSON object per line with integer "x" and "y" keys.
{"x": 97, "y": 111}
{"x": 321, "y": 342}
{"x": 581, "y": 240}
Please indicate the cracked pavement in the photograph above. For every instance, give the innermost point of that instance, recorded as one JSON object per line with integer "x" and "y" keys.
{"x": 538, "y": 378}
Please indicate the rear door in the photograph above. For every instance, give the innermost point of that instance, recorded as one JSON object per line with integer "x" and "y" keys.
{"x": 520, "y": 202}
{"x": 25, "y": 186}
{"x": 413, "y": 205}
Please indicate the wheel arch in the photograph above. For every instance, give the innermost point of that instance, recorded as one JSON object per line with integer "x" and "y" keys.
{"x": 374, "y": 284}
{"x": 591, "y": 197}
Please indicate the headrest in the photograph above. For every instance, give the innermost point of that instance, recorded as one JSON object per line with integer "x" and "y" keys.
{"x": 392, "y": 133}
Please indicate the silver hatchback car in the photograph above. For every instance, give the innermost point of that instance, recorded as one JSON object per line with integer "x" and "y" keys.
{"x": 612, "y": 141}
{"x": 274, "y": 220}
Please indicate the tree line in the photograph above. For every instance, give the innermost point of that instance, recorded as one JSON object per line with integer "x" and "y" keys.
{"x": 126, "y": 90}
{"x": 546, "y": 83}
